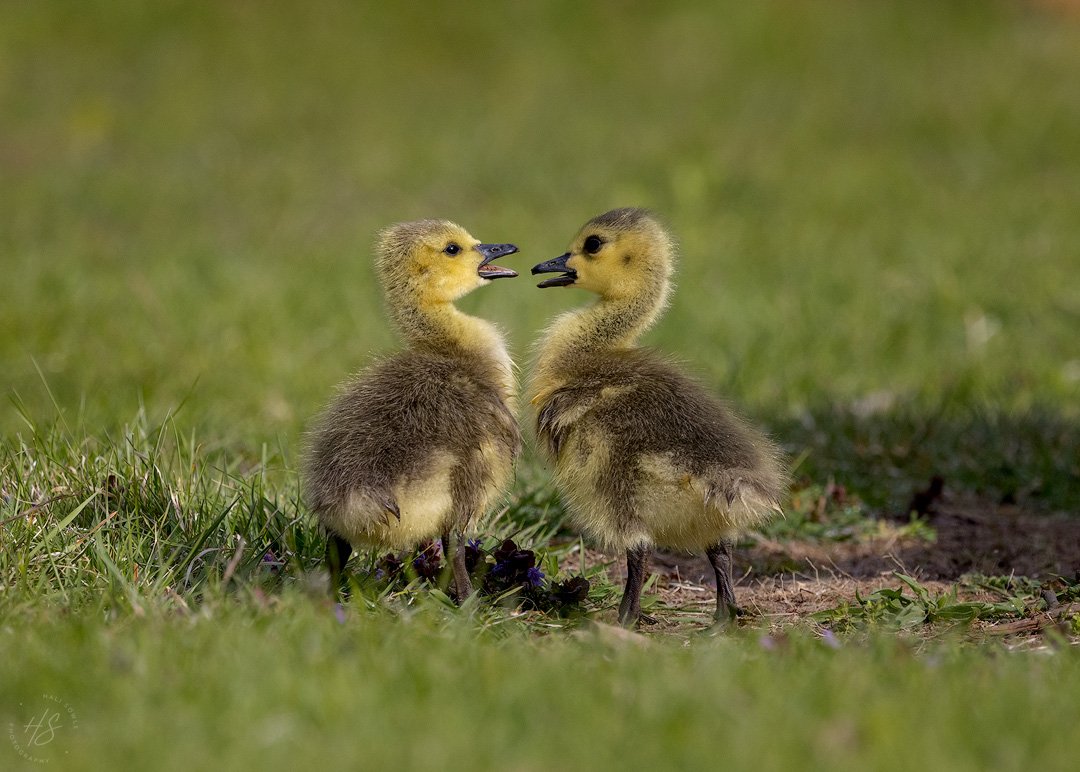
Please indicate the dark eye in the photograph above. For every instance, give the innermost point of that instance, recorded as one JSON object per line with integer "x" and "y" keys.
{"x": 593, "y": 244}
{"x": 452, "y": 249}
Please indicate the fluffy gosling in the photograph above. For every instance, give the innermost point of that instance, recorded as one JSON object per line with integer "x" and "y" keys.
{"x": 420, "y": 444}
{"x": 643, "y": 454}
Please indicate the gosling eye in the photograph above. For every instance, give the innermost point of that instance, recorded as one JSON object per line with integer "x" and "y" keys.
{"x": 593, "y": 244}
{"x": 452, "y": 249}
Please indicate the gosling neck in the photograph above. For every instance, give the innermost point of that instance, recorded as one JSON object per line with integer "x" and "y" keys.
{"x": 440, "y": 325}
{"x": 610, "y": 323}
{"x": 443, "y": 328}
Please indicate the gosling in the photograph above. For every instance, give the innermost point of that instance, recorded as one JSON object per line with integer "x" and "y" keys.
{"x": 643, "y": 454}
{"x": 420, "y": 444}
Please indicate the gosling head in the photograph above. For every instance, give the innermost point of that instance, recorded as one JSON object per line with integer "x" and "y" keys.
{"x": 429, "y": 262}
{"x": 624, "y": 253}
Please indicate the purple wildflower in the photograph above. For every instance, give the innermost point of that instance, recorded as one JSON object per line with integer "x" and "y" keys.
{"x": 473, "y": 554}
{"x": 534, "y": 577}
{"x": 427, "y": 564}
{"x": 390, "y": 566}
{"x": 270, "y": 561}
{"x": 571, "y": 592}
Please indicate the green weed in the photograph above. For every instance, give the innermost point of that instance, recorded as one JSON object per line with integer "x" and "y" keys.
{"x": 897, "y": 609}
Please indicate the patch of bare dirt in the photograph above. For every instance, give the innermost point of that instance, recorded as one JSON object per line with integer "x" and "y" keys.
{"x": 783, "y": 582}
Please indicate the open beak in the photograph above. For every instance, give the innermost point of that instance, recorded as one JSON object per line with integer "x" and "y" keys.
{"x": 557, "y": 265}
{"x": 492, "y": 252}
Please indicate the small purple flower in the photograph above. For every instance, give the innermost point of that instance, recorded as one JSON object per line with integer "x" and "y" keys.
{"x": 271, "y": 562}
{"x": 339, "y": 613}
{"x": 380, "y": 574}
{"x": 474, "y": 554}
{"x": 534, "y": 577}
{"x": 829, "y": 639}
{"x": 571, "y": 592}
{"x": 427, "y": 565}
{"x": 391, "y": 563}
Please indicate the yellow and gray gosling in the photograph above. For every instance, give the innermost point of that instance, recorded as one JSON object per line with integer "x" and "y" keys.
{"x": 643, "y": 454}
{"x": 420, "y": 444}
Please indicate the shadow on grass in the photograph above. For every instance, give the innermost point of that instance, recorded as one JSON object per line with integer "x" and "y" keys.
{"x": 1028, "y": 458}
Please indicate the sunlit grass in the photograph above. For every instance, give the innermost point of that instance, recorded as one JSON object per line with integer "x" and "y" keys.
{"x": 284, "y": 684}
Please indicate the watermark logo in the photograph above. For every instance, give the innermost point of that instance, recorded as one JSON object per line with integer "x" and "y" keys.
{"x": 41, "y": 728}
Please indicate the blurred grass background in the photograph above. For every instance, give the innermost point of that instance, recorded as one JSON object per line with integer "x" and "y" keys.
{"x": 871, "y": 198}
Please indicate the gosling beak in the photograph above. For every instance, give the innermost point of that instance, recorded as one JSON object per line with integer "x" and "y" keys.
{"x": 492, "y": 252}
{"x": 557, "y": 265}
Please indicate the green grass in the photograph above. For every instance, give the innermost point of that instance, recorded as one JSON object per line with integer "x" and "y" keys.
{"x": 876, "y": 210}
{"x": 287, "y": 685}
{"x": 868, "y": 200}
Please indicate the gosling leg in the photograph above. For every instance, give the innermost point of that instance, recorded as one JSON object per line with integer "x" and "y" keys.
{"x": 637, "y": 559}
{"x": 447, "y": 573}
{"x": 462, "y": 583}
{"x": 338, "y": 551}
{"x": 720, "y": 556}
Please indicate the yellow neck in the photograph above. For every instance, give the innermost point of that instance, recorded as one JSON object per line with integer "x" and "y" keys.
{"x": 441, "y": 327}
{"x": 608, "y": 324}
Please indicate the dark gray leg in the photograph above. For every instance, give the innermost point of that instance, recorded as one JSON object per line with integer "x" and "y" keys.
{"x": 447, "y": 572}
{"x": 338, "y": 551}
{"x": 720, "y": 557}
{"x": 462, "y": 584}
{"x": 466, "y": 509}
{"x": 637, "y": 559}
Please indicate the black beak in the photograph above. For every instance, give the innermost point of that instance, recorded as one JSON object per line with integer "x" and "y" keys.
{"x": 493, "y": 252}
{"x": 557, "y": 265}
